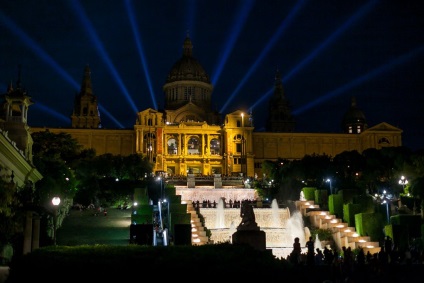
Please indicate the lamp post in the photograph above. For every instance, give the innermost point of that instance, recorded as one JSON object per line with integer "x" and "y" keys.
{"x": 384, "y": 199}
{"x": 55, "y": 202}
{"x": 403, "y": 182}
{"x": 331, "y": 188}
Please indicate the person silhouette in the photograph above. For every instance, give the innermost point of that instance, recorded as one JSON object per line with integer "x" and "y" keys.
{"x": 310, "y": 245}
{"x": 297, "y": 250}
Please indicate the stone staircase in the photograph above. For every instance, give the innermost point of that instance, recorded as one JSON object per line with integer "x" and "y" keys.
{"x": 342, "y": 234}
{"x": 198, "y": 232}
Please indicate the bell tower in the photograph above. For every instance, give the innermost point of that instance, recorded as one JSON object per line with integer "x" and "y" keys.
{"x": 279, "y": 115}
{"x": 86, "y": 112}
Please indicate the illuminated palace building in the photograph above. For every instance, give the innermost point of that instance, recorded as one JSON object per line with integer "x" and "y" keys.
{"x": 188, "y": 136}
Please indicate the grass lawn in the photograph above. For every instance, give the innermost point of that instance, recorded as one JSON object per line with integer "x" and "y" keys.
{"x": 83, "y": 228}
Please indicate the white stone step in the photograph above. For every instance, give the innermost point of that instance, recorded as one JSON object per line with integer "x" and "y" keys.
{"x": 355, "y": 245}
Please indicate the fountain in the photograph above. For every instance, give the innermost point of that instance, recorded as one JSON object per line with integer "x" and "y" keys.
{"x": 302, "y": 196}
{"x": 232, "y": 231}
{"x": 220, "y": 215}
{"x": 295, "y": 228}
{"x": 275, "y": 216}
{"x": 317, "y": 243}
{"x": 279, "y": 225}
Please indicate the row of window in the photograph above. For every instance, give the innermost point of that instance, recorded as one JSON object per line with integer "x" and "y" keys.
{"x": 193, "y": 145}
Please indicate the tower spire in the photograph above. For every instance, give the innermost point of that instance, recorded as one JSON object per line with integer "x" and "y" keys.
{"x": 86, "y": 112}
{"x": 86, "y": 87}
{"x": 187, "y": 47}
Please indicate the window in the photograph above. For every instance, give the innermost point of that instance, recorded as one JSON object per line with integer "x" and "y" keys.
{"x": 172, "y": 146}
{"x": 193, "y": 146}
{"x": 215, "y": 147}
{"x": 238, "y": 147}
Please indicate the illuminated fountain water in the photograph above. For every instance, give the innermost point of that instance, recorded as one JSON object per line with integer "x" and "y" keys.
{"x": 296, "y": 228}
{"x": 275, "y": 216}
{"x": 279, "y": 225}
{"x": 220, "y": 216}
{"x": 317, "y": 243}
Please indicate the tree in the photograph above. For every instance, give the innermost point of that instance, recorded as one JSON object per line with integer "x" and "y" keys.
{"x": 317, "y": 168}
{"x": 9, "y": 208}
{"x": 348, "y": 165}
{"x": 108, "y": 178}
{"x": 56, "y": 156}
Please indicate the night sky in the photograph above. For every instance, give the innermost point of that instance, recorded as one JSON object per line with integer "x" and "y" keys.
{"x": 327, "y": 52}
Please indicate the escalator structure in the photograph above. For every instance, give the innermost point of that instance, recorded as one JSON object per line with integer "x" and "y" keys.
{"x": 164, "y": 223}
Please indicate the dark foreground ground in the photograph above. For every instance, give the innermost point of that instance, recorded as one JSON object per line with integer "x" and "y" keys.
{"x": 96, "y": 248}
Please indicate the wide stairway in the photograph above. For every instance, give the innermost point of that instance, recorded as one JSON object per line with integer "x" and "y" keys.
{"x": 342, "y": 234}
{"x": 198, "y": 232}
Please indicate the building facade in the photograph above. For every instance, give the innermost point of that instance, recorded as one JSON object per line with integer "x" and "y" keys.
{"x": 16, "y": 164}
{"x": 188, "y": 136}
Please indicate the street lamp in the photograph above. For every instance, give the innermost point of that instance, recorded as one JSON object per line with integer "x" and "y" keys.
{"x": 403, "y": 182}
{"x": 384, "y": 199}
{"x": 55, "y": 202}
{"x": 331, "y": 188}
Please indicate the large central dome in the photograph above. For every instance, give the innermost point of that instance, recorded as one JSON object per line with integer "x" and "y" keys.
{"x": 187, "y": 67}
{"x": 188, "y": 90}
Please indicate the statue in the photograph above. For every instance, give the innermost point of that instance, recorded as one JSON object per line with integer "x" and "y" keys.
{"x": 248, "y": 221}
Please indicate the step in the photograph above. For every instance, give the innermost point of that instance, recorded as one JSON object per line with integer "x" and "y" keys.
{"x": 319, "y": 213}
{"x": 305, "y": 210}
{"x": 335, "y": 225}
{"x": 316, "y": 215}
{"x": 372, "y": 251}
{"x": 346, "y": 240}
{"x": 355, "y": 245}
{"x": 329, "y": 219}
{"x": 200, "y": 241}
{"x": 198, "y": 233}
{"x": 299, "y": 203}
{"x": 347, "y": 232}
{"x": 358, "y": 239}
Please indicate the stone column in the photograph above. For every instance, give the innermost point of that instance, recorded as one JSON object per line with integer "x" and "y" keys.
{"x": 27, "y": 233}
{"x": 36, "y": 232}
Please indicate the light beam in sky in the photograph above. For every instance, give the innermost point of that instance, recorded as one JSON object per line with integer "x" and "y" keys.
{"x": 284, "y": 24}
{"x": 79, "y": 11}
{"x": 139, "y": 45}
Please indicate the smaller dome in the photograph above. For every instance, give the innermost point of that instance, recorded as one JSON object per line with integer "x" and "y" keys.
{"x": 187, "y": 67}
{"x": 354, "y": 120}
{"x": 354, "y": 115}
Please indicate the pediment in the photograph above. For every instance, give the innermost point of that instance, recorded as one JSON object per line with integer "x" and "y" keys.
{"x": 189, "y": 107}
{"x": 148, "y": 111}
{"x": 189, "y": 113}
{"x": 384, "y": 127}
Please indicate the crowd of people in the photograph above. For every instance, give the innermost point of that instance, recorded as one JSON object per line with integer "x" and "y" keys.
{"x": 346, "y": 262}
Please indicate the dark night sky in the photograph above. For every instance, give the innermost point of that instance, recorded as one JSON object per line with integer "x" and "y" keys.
{"x": 326, "y": 51}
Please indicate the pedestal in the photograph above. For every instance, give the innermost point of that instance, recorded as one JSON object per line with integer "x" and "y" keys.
{"x": 254, "y": 238}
